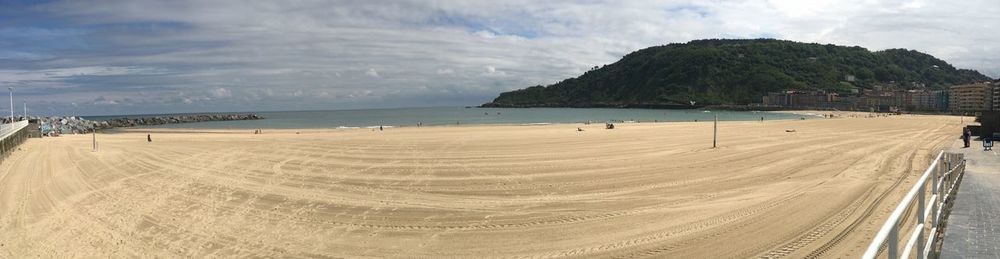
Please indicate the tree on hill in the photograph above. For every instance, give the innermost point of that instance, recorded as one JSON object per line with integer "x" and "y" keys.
{"x": 721, "y": 71}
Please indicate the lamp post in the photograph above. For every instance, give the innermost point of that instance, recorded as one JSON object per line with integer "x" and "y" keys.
{"x": 715, "y": 130}
{"x": 11, "y": 103}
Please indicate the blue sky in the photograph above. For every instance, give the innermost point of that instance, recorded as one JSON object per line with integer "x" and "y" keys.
{"x": 140, "y": 56}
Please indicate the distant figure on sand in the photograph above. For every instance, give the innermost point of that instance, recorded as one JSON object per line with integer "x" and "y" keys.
{"x": 380, "y": 128}
{"x": 150, "y": 139}
{"x": 579, "y": 129}
{"x": 966, "y": 134}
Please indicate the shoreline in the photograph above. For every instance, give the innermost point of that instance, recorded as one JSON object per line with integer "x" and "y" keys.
{"x": 344, "y": 128}
{"x": 390, "y": 127}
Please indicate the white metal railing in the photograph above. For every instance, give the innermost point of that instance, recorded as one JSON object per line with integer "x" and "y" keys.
{"x": 9, "y": 128}
{"x": 943, "y": 173}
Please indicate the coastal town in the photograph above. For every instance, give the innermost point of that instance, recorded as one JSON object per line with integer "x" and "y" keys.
{"x": 956, "y": 99}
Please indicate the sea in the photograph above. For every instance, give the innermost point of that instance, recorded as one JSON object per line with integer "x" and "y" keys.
{"x": 405, "y": 117}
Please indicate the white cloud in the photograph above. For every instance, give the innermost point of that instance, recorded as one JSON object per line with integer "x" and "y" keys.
{"x": 445, "y": 71}
{"x": 220, "y": 92}
{"x": 492, "y": 71}
{"x": 371, "y": 72}
{"x": 21, "y": 75}
{"x": 485, "y": 34}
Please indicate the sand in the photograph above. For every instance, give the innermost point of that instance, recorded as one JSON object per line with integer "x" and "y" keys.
{"x": 641, "y": 190}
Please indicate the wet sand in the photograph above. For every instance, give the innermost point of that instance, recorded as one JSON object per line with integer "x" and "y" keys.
{"x": 640, "y": 190}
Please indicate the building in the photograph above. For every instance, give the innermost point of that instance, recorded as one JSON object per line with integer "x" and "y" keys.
{"x": 943, "y": 99}
{"x": 869, "y": 100}
{"x": 927, "y": 100}
{"x": 799, "y": 99}
{"x": 971, "y": 97}
{"x": 995, "y": 106}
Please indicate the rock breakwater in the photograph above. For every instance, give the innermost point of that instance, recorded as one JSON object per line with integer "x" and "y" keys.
{"x": 77, "y": 125}
{"x": 159, "y": 120}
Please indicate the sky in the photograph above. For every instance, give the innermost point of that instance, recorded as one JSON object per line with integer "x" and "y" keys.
{"x": 145, "y": 56}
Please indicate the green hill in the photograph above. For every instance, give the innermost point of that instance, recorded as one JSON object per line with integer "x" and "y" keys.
{"x": 737, "y": 72}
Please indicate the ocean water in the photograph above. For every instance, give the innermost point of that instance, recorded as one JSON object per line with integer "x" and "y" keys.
{"x": 402, "y": 117}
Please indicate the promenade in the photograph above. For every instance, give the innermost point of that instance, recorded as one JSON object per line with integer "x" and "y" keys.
{"x": 973, "y": 229}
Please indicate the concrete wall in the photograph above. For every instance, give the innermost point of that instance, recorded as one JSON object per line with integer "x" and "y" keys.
{"x": 9, "y": 143}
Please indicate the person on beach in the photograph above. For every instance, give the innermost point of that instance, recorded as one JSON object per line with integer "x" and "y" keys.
{"x": 966, "y": 134}
{"x": 380, "y": 128}
{"x": 149, "y": 138}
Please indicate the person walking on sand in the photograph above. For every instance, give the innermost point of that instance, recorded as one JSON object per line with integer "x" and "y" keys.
{"x": 966, "y": 134}
{"x": 150, "y": 138}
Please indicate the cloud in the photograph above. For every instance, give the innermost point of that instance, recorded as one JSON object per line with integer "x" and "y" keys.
{"x": 220, "y": 92}
{"x": 187, "y": 55}
{"x": 445, "y": 71}
{"x": 492, "y": 71}
{"x": 100, "y": 100}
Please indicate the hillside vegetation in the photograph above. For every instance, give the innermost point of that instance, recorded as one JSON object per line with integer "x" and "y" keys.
{"x": 737, "y": 72}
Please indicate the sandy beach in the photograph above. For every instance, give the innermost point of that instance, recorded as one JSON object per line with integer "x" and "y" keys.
{"x": 640, "y": 190}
